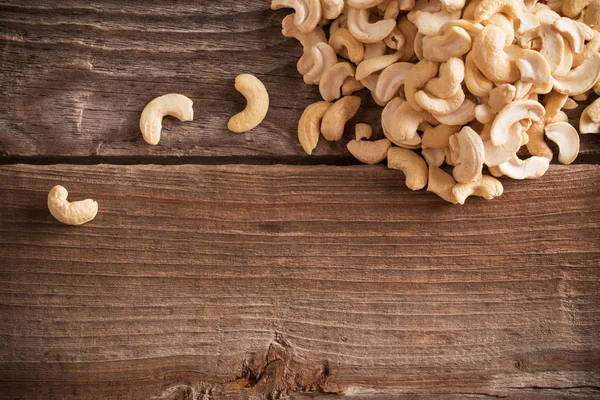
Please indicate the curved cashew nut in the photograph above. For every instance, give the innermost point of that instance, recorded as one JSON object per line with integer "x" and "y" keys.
{"x": 590, "y": 48}
{"x": 175, "y": 105}
{"x": 308, "y": 12}
{"x": 536, "y": 145}
{"x": 369, "y": 152}
{"x": 363, "y": 131}
{"x": 331, "y": 9}
{"x": 593, "y": 110}
{"x": 535, "y": 70}
{"x": 437, "y": 137}
{"x": 366, "y": 32}
{"x": 257, "y": 104}
{"x": 487, "y": 8}
{"x": 403, "y": 124}
{"x": 448, "y": 83}
{"x": 572, "y": 31}
{"x": 429, "y": 23}
{"x": 454, "y": 43}
{"x": 511, "y": 114}
{"x": 441, "y": 184}
{"x": 336, "y": 116}
{"x": 333, "y": 79}
{"x": 485, "y": 114}
{"x": 372, "y": 65}
{"x": 496, "y": 155}
{"x": 391, "y": 79}
{"x": 70, "y": 213}
{"x": 409, "y": 31}
{"x": 342, "y": 38}
{"x": 471, "y": 155}
{"x": 476, "y": 82}
{"x": 567, "y": 139}
{"x": 581, "y": 78}
{"x": 532, "y": 168}
{"x": 308, "y": 40}
{"x": 464, "y": 114}
{"x": 324, "y": 57}
{"x": 472, "y": 28}
{"x": 409, "y": 162}
{"x": 487, "y": 187}
{"x": 440, "y": 106}
{"x": 416, "y": 79}
{"x": 489, "y": 45}
{"x": 309, "y": 125}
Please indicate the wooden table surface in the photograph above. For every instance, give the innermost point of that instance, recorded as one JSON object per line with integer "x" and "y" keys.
{"x": 234, "y": 266}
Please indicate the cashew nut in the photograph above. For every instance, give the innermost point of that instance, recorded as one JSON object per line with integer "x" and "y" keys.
{"x": 429, "y": 23}
{"x": 501, "y": 95}
{"x": 331, "y": 9}
{"x": 439, "y": 106}
{"x": 307, "y": 40}
{"x": 372, "y": 65}
{"x": 351, "y": 85}
{"x": 369, "y": 152}
{"x": 496, "y": 155}
{"x": 572, "y": 8}
{"x": 438, "y": 136}
{"x": 441, "y": 184}
{"x": 403, "y": 124}
{"x": 448, "y": 83}
{"x": 567, "y": 139}
{"x": 343, "y": 39}
{"x": 511, "y": 114}
{"x": 434, "y": 156}
{"x": 332, "y": 80}
{"x": 363, "y": 30}
{"x": 323, "y": 57}
{"x": 70, "y": 213}
{"x": 409, "y": 162}
{"x": 572, "y": 31}
{"x": 535, "y": 70}
{"x": 487, "y": 187}
{"x": 336, "y": 116}
{"x": 476, "y": 82}
{"x": 309, "y": 125}
{"x": 593, "y": 110}
{"x": 586, "y": 125}
{"x": 391, "y": 79}
{"x": 416, "y": 79}
{"x": 363, "y": 131}
{"x": 487, "y": 8}
{"x": 581, "y": 78}
{"x": 489, "y": 45}
{"x": 175, "y": 105}
{"x": 308, "y": 12}
{"x": 532, "y": 168}
{"x": 471, "y": 155}
{"x": 257, "y": 104}
{"x": 464, "y": 114}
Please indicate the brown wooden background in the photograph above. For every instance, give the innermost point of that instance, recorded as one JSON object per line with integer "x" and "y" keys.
{"x": 232, "y": 265}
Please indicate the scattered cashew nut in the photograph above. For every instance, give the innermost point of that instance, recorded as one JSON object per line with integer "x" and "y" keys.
{"x": 70, "y": 213}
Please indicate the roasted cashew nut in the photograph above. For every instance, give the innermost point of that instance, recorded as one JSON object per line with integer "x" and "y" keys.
{"x": 511, "y": 114}
{"x": 567, "y": 139}
{"x": 308, "y": 12}
{"x": 70, "y": 213}
{"x": 336, "y": 117}
{"x": 487, "y": 187}
{"x": 471, "y": 155}
{"x": 332, "y": 80}
{"x": 366, "y": 32}
{"x": 532, "y": 168}
{"x": 488, "y": 46}
{"x": 175, "y": 105}
{"x": 343, "y": 39}
{"x": 441, "y": 183}
{"x": 369, "y": 152}
{"x": 257, "y": 105}
{"x": 409, "y": 162}
{"x": 309, "y": 126}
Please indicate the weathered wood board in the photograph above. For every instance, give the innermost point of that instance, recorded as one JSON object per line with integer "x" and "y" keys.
{"x": 239, "y": 281}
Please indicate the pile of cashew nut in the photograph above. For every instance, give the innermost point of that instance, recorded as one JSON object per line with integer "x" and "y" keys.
{"x": 468, "y": 82}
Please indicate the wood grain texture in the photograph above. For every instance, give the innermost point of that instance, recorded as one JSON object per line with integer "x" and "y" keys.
{"x": 75, "y": 75}
{"x": 252, "y": 282}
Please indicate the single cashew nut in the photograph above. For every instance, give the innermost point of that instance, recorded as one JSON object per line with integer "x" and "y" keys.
{"x": 369, "y": 152}
{"x": 429, "y": 23}
{"x": 475, "y": 81}
{"x": 175, "y": 105}
{"x": 438, "y": 136}
{"x": 391, "y": 79}
{"x": 309, "y": 125}
{"x": 586, "y": 125}
{"x": 532, "y": 168}
{"x": 501, "y": 96}
{"x": 454, "y": 43}
{"x": 441, "y": 184}
{"x": 409, "y": 162}
{"x": 403, "y": 124}
{"x": 511, "y": 114}
{"x": 257, "y": 105}
{"x": 336, "y": 116}
{"x": 580, "y": 79}
{"x": 308, "y": 12}
{"x": 464, "y": 114}
{"x": 487, "y": 8}
{"x": 332, "y": 80}
{"x": 489, "y": 45}
{"x": 567, "y": 139}
{"x": 363, "y": 30}
{"x": 342, "y": 38}
{"x": 487, "y": 187}
{"x": 448, "y": 83}
{"x": 439, "y": 106}
{"x": 323, "y": 57}
{"x": 535, "y": 70}
{"x": 331, "y": 9}
{"x": 363, "y": 131}
{"x": 372, "y": 65}
{"x": 471, "y": 155}
{"x": 70, "y": 213}
{"x": 434, "y": 156}
{"x": 496, "y": 155}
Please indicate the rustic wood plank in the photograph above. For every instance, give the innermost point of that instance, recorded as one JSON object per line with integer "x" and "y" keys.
{"x": 242, "y": 281}
{"x": 75, "y": 75}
